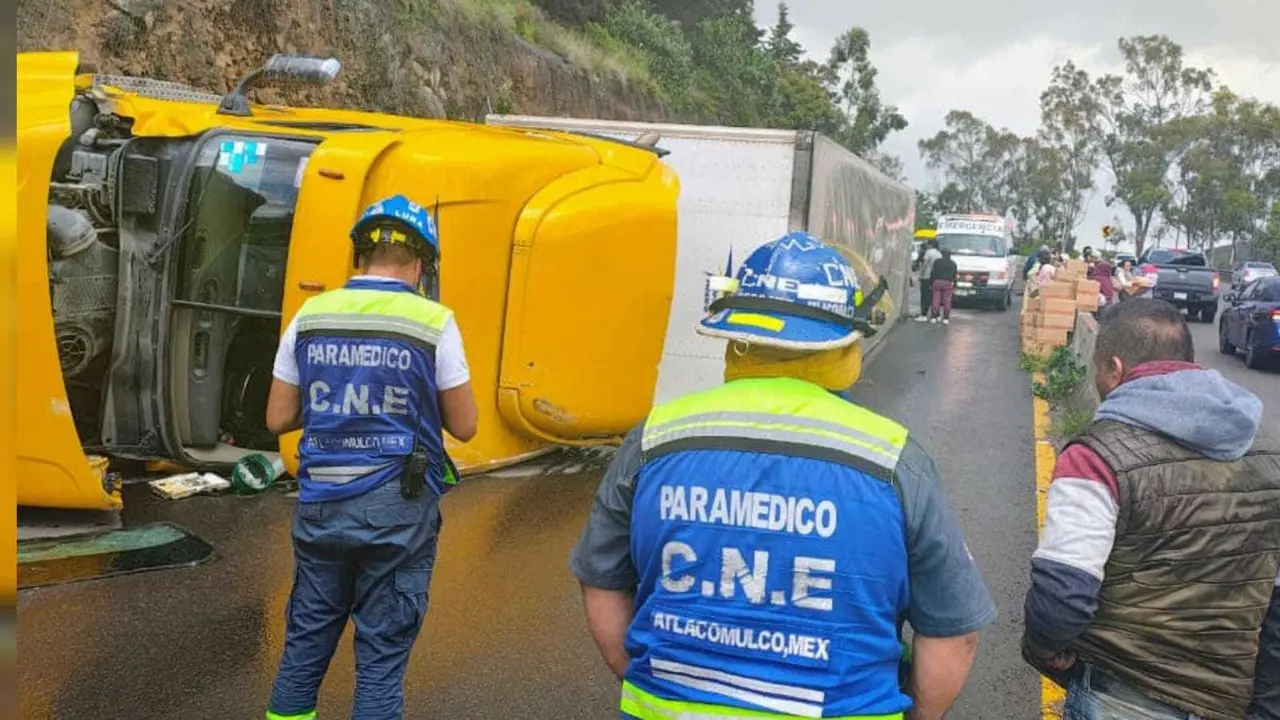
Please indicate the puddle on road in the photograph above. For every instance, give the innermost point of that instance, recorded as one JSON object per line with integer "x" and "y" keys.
{"x": 99, "y": 555}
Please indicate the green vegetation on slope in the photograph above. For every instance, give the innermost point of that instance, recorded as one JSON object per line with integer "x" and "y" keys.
{"x": 598, "y": 54}
{"x": 709, "y": 63}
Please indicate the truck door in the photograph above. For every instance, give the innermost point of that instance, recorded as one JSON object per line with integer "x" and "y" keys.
{"x": 592, "y": 273}
{"x": 331, "y": 187}
{"x": 228, "y": 293}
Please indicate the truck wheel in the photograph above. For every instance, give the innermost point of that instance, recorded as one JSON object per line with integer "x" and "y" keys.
{"x": 1003, "y": 303}
{"x": 1208, "y": 313}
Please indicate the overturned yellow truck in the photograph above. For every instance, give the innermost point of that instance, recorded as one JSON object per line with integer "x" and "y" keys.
{"x": 166, "y": 234}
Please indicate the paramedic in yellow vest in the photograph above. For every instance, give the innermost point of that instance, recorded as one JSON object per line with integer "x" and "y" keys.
{"x": 754, "y": 548}
{"x": 372, "y": 373}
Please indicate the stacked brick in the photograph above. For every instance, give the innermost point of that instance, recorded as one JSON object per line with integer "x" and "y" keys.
{"x": 1049, "y": 311}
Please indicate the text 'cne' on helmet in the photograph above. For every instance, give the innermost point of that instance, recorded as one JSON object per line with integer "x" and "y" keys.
{"x": 795, "y": 293}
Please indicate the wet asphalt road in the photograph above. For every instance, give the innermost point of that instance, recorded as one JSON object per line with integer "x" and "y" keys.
{"x": 504, "y": 635}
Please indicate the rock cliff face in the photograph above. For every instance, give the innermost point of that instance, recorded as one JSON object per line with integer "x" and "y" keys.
{"x": 428, "y": 58}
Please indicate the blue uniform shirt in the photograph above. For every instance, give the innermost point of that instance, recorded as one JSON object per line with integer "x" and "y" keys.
{"x": 947, "y": 594}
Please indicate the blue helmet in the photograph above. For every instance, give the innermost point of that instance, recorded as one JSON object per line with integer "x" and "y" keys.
{"x": 397, "y": 219}
{"x": 797, "y": 293}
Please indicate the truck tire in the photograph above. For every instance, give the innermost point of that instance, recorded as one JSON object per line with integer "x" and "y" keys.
{"x": 1224, "y": 346}
{"x": 1003, "y": 303}
{"x": 1208, "y": 313}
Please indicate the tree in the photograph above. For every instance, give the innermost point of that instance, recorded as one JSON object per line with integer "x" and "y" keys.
{"x": 1266, "y": 244}
{"x": 1045, "y": 204}
{"x": 1142, "y": 116}
{"x": 1069, "y": 115}
{"x": 869, "y": 121}
{"x": 978, "y": 161}
{"x": 926, "y": 210}
{"x": 691, "y": 12}
{"x": 951, "y": 199}
{"x": 1225, "y": 177}
{"x": 803, "y": 101}
{"x": 661, "y": 41}
{"x": 784, "y": 51}
{"x": 736, "y": 79}
{"x": 890, "y": 165}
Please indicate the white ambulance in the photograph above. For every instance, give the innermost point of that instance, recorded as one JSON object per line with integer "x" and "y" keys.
{"x": 981, "y": 245}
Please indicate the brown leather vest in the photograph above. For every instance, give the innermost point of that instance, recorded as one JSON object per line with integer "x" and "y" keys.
{"x": 1191, "y": 572}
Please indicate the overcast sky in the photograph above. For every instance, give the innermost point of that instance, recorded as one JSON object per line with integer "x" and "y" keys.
{"x": 994, "y": 57}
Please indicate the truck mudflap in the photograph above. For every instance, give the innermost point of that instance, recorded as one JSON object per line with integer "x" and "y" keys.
{"x": 592, "y": 277}
{"x": 52, "y": 469}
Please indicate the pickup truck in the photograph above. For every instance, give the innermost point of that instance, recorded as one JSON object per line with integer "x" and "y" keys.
{"x": 1184, "y": 279}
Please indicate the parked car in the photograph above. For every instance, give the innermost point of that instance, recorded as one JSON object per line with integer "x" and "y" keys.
{"x": 1184, "y": 279}
{"x": 1251, "y": 322}
{"x": 1246, "y": 272}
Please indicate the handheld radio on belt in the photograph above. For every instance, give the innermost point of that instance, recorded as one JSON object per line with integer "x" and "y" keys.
{"x": 414, "y": 479}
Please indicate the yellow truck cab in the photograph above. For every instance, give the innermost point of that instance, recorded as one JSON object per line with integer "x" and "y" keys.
{"x": 184, "y": 230}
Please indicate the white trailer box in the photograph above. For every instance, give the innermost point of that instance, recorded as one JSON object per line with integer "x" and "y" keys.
{"x": 742, "y": 187}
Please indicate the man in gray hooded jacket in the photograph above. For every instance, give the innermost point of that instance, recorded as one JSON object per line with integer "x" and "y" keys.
{"x": 1162, "y": 535}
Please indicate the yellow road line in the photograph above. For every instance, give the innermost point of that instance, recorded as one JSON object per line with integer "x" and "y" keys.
{"x": 1051, "y": 696}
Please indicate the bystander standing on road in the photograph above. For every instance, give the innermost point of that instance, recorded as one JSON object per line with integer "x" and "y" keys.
{"x": 943, "y": 282}
{"x": 924, "y": 263}
{"x": 1044, "y": 271}
{"x": 1162, "y": 535}
{"x": 367, "y": 522}
{"x": 1032, "y": 260}
{"x": 1059, "y": 254}
{"x": 1100, "y": 271}
{"x": 1124, "y": 279}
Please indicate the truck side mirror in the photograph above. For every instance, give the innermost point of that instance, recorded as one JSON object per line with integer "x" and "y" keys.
{"x": 296, "y": 69}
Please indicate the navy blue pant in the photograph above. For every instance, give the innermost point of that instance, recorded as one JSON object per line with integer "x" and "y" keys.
{"x": 370, "y": 558}
{"x": 1266, "y": 676}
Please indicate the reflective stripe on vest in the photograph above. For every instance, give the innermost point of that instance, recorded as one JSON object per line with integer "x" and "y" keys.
{"x": 309, "y": 715}
{"x": 342, "y": 474}
{"x": 647, "y": 706}
{"x": 761, "y": 509}
{"x": 747, "y": 417}
{"x": 357, "y": 312}
{"x": 361, "y": 324}
{"x": 366, "y": 361}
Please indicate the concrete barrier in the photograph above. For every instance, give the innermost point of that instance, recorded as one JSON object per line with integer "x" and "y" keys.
{"x": 1085, "y": 398}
